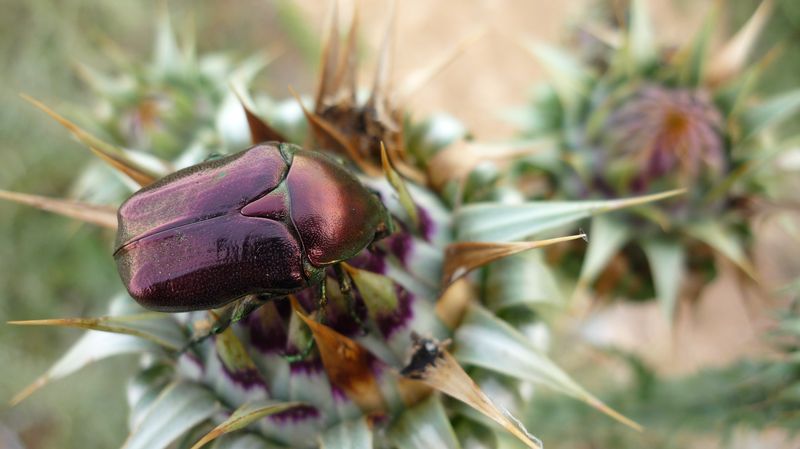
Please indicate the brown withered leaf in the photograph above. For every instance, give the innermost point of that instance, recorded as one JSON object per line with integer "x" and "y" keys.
{"x": 432, "y": 365}
{"x": 418, "y": 79}
{"x": 260, "y": 131}
{"x": 105, "y": 216}
{"x": 729, "y": 61}
{"x": 456, "y": 161}
{"x": 330, "y": 57}
{"x": 453, "y": 302}
{"x": 345, "y": 80}
{"x": 325, "y": 131}
{"x": 383, "y": 118}
{"x": 348, "y": 364}
{"x": 112, "y": 155}
{"x": 380, "y": 97}
{"x": 337, "y": 84}
{"x": 139, "y": 325}
{"x": 463, "y": 257}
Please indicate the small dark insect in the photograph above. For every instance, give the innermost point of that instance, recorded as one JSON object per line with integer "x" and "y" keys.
{"x": 261, "y": 223}
{"x": 425, "y": 353}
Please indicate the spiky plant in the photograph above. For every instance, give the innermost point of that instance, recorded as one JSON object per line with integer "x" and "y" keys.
{"x": 178, "y": 107}
{"x": 625, "y": 115}
{"x": 756, "y": 394}
{"x": 398, "y": 324}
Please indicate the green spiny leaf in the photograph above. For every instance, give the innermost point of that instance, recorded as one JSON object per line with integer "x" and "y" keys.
{"x": 568, "y": 74}
{"x": 377, "y": 290}
{"x": 354, "y": 434}
{"x": 640, "y": 46}
{"x": 771, "y": 112}
{"x": 722, "y": 240}
{"x": 693, "y": 57}
{"x": 168, "y": 57}
{"x": 92, "y": 347}
{"x": 524, "y": 279}
{"x": 667, "y": 261}
{"x": 399, "y": 186}
{"x": 144, "y": 388}
{"x": 486, "y": 341}
{"x": 607, "y": 237}
{"x": 180, "y": 407}
{"x": 508, "y": 222}
{"x": 424, "y": 426}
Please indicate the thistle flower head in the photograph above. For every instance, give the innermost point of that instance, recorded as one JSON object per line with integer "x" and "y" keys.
{"x": 666, "y": 131}
{"x": 632, "y": 115}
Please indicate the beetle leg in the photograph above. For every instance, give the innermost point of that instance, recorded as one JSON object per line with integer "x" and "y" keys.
{"x": 346, "y": 288}
{"x": 229, "y": 314}
{"x": 323, "y": 302}
{"x": 292, "y": 358}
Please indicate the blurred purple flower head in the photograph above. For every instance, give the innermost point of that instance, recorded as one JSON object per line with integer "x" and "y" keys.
{"x": 665, "y": 130}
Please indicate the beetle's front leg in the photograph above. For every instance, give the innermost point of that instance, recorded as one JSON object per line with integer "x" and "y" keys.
{"x": 346, "y": 288}
{"x": 228, "y": 315}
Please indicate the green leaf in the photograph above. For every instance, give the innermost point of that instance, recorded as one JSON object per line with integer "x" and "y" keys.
{"x": 770, "y": 112}
{"x": 399, "y": 185}
{"x": 424, "y": 426}
{"x": 92, "y": 347}
{"x": 606, "y": 238}
{"x": 569, "y": 76}
{"x": 354, "y": 434}
{"x": 144, "y": 388}
{"x": 233, "y": 355}
{"x": 524, "y": 279}
{"x": 244, "y": 441}
{"x": 140, "y": 167}
{"x": 640, "y": 46}
{"x": 180, "y": 407}
{"x": 377, "y": 290}
{"x": 667, "y": 260}
{"x": 693, "y": 56}
{"x": 495, "y": 222}
{"x": 168, "y": 56}
{"x": 725, "y": 242}
{"x": 243, "y": 417}
{"x": 486, "y": 341}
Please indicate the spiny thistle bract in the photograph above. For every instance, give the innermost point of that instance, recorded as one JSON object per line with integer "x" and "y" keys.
{"x": 726, "y": 404}
{"x": 396, "y": 331}
{"x": 627, "y": 116}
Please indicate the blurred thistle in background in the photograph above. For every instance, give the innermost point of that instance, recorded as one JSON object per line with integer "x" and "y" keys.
{"x": 626, "y": 114}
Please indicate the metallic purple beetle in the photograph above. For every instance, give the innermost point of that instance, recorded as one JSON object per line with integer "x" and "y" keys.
{"x": 266, "y": 221}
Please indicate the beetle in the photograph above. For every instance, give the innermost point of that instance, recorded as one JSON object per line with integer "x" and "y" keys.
{"x": 261, "y": 223}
